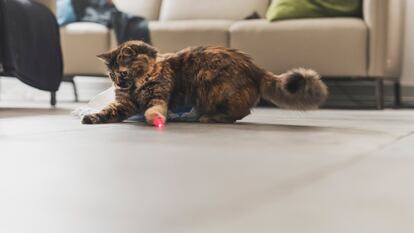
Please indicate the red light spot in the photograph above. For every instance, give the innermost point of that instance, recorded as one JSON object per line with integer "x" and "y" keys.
{"x": 159, "y": 122}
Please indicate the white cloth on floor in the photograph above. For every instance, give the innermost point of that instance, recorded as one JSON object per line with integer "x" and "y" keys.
{"x": 104, "y": 98}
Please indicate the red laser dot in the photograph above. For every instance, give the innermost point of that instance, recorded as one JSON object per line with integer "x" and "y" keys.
{"x": 158, "y": 122}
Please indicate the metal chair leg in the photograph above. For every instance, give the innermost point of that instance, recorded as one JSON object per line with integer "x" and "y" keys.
{"x": 75, "y": 89}
{"x": 397, "y": 94}
{"x": 53, "y": 98}
{"x": 379, "y": 93}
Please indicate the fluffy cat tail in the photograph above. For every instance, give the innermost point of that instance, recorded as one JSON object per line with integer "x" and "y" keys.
{"x": 300, "y": 89}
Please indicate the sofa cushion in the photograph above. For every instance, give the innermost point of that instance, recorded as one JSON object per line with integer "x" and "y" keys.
{"x": 295, "y": 9}
{"x": 148, "y": 9}
{"x": 211, "y": 9}
{"x": 80, "y": 43}
{"x": 170, "y": 36}
{"x": 333, "y": 47}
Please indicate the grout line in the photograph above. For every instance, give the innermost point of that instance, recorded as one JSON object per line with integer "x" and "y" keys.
{"x": 331, "y": 169}
{"x": 293, "y": 185}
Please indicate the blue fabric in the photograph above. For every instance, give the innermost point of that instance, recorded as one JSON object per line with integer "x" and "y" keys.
{"x": 65, "y": 12}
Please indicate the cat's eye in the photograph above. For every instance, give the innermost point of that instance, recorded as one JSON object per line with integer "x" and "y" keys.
{"x": 112, "y": 75}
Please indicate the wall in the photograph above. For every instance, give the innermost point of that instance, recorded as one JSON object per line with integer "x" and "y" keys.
{"x": 408, "y": 64}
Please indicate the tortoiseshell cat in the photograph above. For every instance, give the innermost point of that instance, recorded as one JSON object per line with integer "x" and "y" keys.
{"x": 221, "y": 84}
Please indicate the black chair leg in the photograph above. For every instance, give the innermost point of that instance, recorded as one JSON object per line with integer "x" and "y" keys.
{"x": 53, "y": 98}
{"x": 75, "y": 89}
{"x": 397, "y": 94}
{"x": 379, "y": 93}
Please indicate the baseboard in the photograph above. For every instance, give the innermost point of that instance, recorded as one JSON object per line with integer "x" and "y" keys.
{"x": 349, "y": 94}
{"x": 361, "y": 94}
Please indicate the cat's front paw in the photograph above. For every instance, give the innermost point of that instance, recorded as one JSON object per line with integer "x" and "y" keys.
{"x": 154, "y": 117}
{"x": 91, "y": 119}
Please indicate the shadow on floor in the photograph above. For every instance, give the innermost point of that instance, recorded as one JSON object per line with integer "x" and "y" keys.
{"x": 247, "y": 127}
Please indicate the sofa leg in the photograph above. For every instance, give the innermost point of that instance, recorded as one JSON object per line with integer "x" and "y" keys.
{"x": 397, "y": 94}
{"x": 75, "y": 89}
{"x": 379, "y": 93}
{"x": 53, "y": 98}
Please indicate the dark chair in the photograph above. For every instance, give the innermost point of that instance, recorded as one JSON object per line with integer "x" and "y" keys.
{"x": 30, "y": 45}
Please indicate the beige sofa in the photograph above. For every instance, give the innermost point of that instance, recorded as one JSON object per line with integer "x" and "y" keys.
{"x": 370, "y": 47}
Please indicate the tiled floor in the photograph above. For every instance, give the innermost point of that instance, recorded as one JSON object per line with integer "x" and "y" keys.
{"x": 276, "y": 171}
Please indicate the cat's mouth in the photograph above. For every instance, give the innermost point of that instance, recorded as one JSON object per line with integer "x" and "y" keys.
{"x": 123, "y": 85}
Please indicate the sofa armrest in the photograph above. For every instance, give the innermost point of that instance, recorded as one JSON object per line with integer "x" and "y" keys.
{"x": 51, "y": 4}
{"x": 385, "y": 21}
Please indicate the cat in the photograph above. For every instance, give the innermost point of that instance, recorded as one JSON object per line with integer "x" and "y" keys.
{"x": 221, "y": 84}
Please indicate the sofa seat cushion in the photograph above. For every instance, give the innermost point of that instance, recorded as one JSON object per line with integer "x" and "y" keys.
{"x": 80, "y": 43}
{"x": 331, "y": 46}
{"x": 148, "y": 9}
{"x": 211, "y": 9}
{"x": 171, "y": 36}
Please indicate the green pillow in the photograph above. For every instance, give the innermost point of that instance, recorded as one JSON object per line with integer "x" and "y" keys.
{"x": 294, "y": 9}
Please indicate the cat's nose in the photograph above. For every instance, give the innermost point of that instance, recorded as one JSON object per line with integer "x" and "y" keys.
{"x": 123, "y": 74}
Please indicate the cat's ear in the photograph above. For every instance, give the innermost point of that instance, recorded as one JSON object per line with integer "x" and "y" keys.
{"x": 151, "y": 51}
{"x": 143, "y": 48}
{"x": 106, "y": 57}
{"x": 128, "y": 52}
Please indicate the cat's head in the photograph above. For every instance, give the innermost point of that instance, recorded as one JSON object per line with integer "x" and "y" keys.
{"x": 129, "y": 62}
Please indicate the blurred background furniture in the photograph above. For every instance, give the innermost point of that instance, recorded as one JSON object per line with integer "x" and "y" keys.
{"x": 367, "y": 48}
{"x": 30, "y": 45}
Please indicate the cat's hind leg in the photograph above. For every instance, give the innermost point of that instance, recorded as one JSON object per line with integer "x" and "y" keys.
{"x": 231, "y": 109}
{"x": 217, "y": 118}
